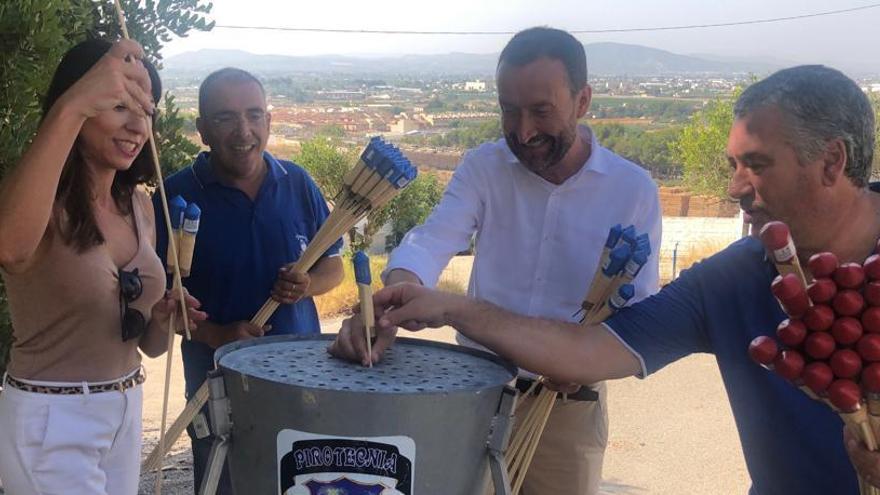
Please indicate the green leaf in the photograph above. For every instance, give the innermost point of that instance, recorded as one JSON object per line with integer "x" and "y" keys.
{"x": 35, "y": 34}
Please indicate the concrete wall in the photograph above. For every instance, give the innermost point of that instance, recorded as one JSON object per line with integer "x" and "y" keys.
{"x": 695, "y": 238}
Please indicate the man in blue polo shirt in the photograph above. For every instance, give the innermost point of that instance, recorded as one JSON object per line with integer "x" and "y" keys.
{"x": 258, "y": 215}
{"x": 800, "y": 151}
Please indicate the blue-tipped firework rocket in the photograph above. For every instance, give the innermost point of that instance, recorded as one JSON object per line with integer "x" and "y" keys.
{"x": 175, "y": 211}
{"x": 618, "y": 300}
{"x": 191, "y": 217}
{"x": 362, "y": 273}
{"x": 615, "y": 263}
{"x": 621, "y": 297}
{"x": 632, "y": 268}
{"x": 610, "y": 243}
{"x": 176, "y": 208}
{"x": 634, "y": 265}
{"x": 629, "y": 236}
{"x": 617, "y": 269}
{"x": 381, "y": 171}
{"x": 643, "y": 241}
{"x": 617, "y": 260}
{"x": 365, "y": 292}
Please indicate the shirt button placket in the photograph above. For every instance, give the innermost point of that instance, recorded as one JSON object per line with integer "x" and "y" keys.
{"x": 545, "y": 253}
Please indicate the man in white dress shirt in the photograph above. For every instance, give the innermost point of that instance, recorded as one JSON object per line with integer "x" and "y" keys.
{"x": 540, "y": 201}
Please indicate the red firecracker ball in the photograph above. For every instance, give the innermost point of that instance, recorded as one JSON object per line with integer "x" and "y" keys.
{"x": 849, "y": 276}
{"x": 822, "y": 290}
{"x": 818, "y": 376}
{"x": 791, "y": 293}
{"x": 763, "y": 350}
{"x": 868, "y": 347}
{"x": 846, "y": 330}
{"x": 872, "y": 293}
{"x": 845, "y": 395}
{"x": 822, "y": 265}
{"x": 871, "y": 320}
{"x": 819, "y": 345}
{"x": 792, "y": 332}
{"x": 872, "y": 267}
{"x": 848, "y": 303}
{"x": 774, "y": 235}
{"x": 845, "y": 363}
{"x": 819, "y": 317}
{"x": 789, "y": 364}
{"x": 870, "y": 378}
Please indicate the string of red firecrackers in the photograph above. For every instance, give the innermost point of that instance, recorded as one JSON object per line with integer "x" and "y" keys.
{"x": 831, "y": 338}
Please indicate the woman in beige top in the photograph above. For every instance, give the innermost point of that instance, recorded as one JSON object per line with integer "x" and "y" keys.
{"x": 85, "y": 286}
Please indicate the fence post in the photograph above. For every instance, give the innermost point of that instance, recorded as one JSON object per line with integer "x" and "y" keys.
{"x": 674, "y": 260}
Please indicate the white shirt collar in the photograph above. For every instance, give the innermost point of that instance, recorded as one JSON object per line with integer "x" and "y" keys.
{"x": 595, "y": 163}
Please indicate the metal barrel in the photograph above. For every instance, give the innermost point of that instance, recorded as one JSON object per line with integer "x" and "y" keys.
{"x": 419, "y": 422}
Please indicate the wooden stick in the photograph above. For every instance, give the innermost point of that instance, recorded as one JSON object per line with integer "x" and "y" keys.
{"x": 528, "y": 392}
{"x": 527, "y": 430}
{"x": 527, "y": 460}
{"x": 164, "y": 198}
{"x": 523, "y": 432}
{"x": 192, "y": 408}
{"x": 366, "y": 296}
{"x": 120, "y": 17}
{"x": 173, "y": 247}
{"x": 157, "y": 489}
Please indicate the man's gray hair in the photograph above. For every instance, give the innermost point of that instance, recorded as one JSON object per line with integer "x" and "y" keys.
{"x": 818, "y": 104}
{"x": 227, "y": 74}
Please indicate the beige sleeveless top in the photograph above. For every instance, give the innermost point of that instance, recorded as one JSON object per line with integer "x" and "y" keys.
{"x": 65, "y": 307}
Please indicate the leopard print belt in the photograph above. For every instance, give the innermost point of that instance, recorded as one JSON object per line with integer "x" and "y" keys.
{"x": 136, "y": 378}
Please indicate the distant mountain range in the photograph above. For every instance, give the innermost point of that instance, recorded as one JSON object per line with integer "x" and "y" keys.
{"x": 609, "y": 59}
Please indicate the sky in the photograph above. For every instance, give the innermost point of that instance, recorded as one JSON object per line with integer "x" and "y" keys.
{"x": 846, "y": 39}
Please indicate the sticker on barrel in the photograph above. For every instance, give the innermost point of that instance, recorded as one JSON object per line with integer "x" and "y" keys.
{"x": 312, "y": 464}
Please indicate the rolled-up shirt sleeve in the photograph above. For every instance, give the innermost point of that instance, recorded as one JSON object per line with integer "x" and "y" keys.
{"x": 426, "y": 249}
{"x": 667, "y": 326}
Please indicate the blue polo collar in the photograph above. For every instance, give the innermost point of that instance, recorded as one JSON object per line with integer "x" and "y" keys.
{"x": 204, "y": 171}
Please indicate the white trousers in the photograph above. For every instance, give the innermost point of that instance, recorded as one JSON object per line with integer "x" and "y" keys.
{"x": 87, "y": 444}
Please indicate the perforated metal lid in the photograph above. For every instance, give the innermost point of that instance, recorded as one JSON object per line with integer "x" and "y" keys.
{"x": 409, "y": 366}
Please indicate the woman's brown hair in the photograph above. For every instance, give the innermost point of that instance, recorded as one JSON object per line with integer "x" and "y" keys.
{"x": 73, "y": 197}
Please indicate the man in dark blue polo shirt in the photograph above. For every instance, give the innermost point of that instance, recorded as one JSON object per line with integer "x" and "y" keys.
{"x": 800, "y": 151}
{"x": 258, "y": 215}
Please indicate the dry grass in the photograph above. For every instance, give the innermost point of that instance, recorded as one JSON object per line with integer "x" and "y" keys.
{"x": 699, "y": 252}
{"x": 451, "y": 284}
{"x": 340, "y": 300}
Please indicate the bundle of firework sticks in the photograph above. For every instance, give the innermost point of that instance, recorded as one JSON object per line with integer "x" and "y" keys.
{"x": 379, "y": 175}
{"x": 831, "y": 339}
{"x": 376, "y": 179}
{"x": 623, "y": 256}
